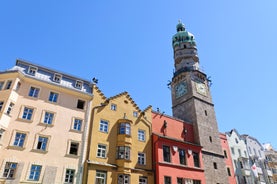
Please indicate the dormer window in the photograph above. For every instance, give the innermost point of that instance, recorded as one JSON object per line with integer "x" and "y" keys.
{"x": 57, "y": 78}
{"x": 79, "y": 84}
{"x": 32, "y": 70}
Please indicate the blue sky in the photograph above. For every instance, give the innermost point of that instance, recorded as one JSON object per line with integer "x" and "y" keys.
{"x": 127, "y": 46}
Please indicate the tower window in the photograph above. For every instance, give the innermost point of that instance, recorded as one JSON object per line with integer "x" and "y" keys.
{"x": 215, "y": 165}
{"x": 211, "y": 139}
{"x": 225, "y": 154}
{"x": 81, "y": 104}
{"x": 206, "y": 113}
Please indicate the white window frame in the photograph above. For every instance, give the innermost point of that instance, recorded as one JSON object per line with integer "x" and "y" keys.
{"x": 101, "y": 151}
{"x": 77, "y": 121}
{"x": 28, "y": 113}
{"x": 8, "y": 169}
{"x": 142, "y": 180}
{"x": 48, "y": 119}
{"x": 40, "y": 147}
{"x": 141, "y": 158}
{"x": 69, "y": 175}
{"x": 34, "y": 171}
{"x": 57, "y": 78}
{"x": 18, "y": 140}
{"x": 113, "y": 107}
{"x": 34, "y": 92}
{"x": 32, "y": 70}
{"x": 104, "y": 126}
{"x": 141, "y": 135}
{"x": 100, "y": 177}
{"x": 125, "y": 179}
{"x": 53, "y": 97}
{"x": 79, "y": 84}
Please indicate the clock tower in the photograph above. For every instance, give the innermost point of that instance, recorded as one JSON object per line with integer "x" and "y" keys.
{"x": 192, "y": 102}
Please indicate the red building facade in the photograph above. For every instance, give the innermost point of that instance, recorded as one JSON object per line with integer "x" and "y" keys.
{"x": 228, "y": 159}
{"x": 177, "y": 159}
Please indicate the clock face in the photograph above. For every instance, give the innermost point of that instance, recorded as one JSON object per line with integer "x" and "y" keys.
{"x": 180, "y": 89}
{"x": 201, "y": 88}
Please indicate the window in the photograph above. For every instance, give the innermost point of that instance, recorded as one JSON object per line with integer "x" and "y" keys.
{"x": 125, "y": 128}
{"x": 10, "y": 108}
{"x": 113, "y": 107}
{"x": 57, "y": 78}
{"x": 103, "y": 126}
{"x": 215, "y": 165}
{"x": 232, "y": 150}
{"x": 35, "y": 172}
{"x": 123, "y": 179}
{"x": 123, "y": 152}
{"x": 101, "y": 151}
{"x": 8, "y": 84}
{"x": 1, "y": 133}
{"x": 32, "y": 70}
{"x": 19, "y": 139}
{"x": 73, "y": 150}
{"x": 81, "y": 104}
{"x": 211, "y": 139}
{"x": 196, "y": 159}
{"x": 196, "y": 182}
{"x": 53, "y": 97}
{"x": 250, "y": 151}
{"x": 135, "y": 114}
{"x": 48, "y": 118}
{"x": 1, "y": 85}
{"x": 229, "y": 171}
{"x": 239, "y": 152}
{"x": 179, "y": 180}
{"x": 10, "y": 170}
{"x": 100, "y": 177}
{"x": 42, "y": 143}
{"x": 241, "y": 164}
{"x": 79, "y": 84}
{"x": 225, "y": 154}
{"x": 141, "y": 135}
{"x": 34, "y": 92}
{"x": 166, "y": 153}
{"x": 141, "y": 159}
{"x": 27, "y": 113}
{"x": 142, "y": 180}
{"x": 77, "y": 124}
{"x": 69, "y": 176}
{"x": 18, "y": 86}
{"x": 182, "y": 156}
{"x": 167, "y": 180}
{"x": 236, "y": 140}
{"x": 1, "y": 105}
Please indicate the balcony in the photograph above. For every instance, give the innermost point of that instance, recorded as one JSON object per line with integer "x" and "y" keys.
{"x": 269, "y": 173}
{"x": 246, "y": 172}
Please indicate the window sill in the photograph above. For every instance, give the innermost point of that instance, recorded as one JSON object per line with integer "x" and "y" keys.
{"x": 16, "y": 148}
{"x": 25, "y": 120}
{"x": 39, "y": 151}
{"x": 76, "y": 131}
{"x": 45, "y": 124}
{"x": 72, "y": 156}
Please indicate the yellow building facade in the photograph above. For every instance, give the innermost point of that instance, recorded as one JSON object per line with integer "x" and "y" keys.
{"x": 44, "y": 117}
{"x": 120, "y": 149}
